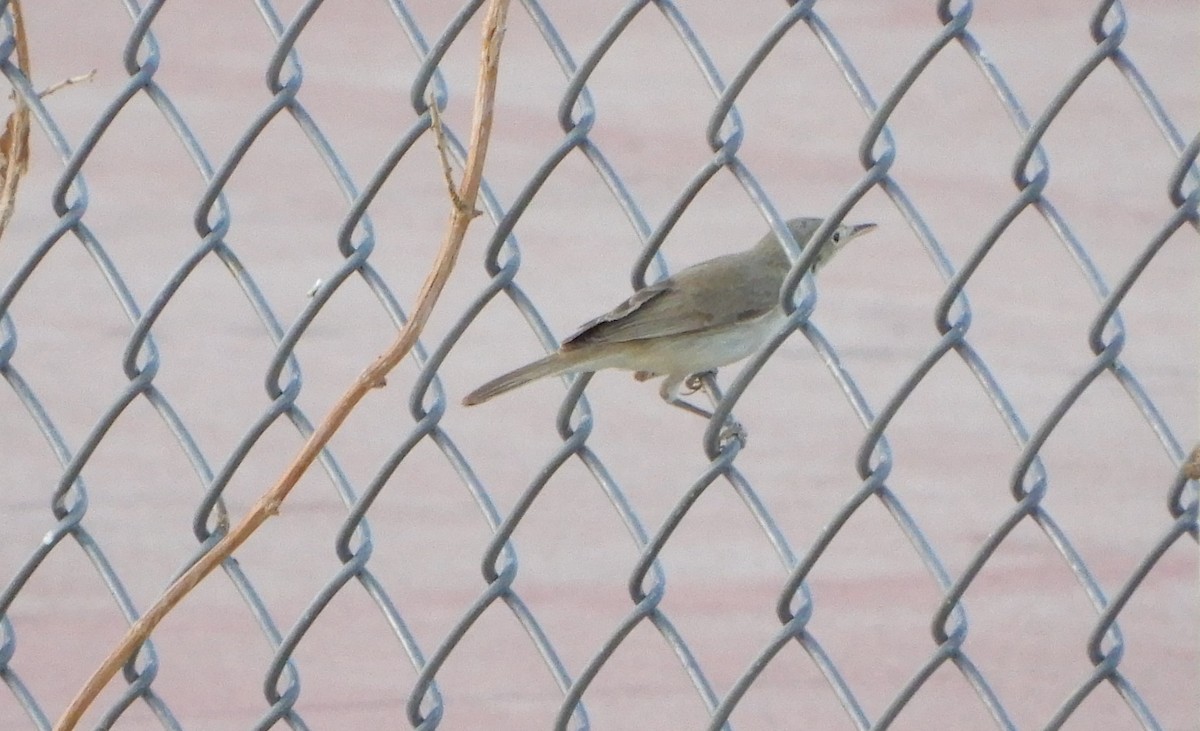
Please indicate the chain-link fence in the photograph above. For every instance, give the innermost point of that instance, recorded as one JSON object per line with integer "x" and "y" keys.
{"x": 962, "y": 502}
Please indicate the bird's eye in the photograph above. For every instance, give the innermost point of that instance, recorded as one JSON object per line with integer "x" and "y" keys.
{"x": 837, "y": 236}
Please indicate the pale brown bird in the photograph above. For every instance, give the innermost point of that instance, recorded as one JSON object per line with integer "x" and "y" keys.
{"x": 708, "y": 315}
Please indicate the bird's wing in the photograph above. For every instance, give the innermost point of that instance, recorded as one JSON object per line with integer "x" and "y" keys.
{"x": 691, "y": 301}
{"x": 617, "y": 324}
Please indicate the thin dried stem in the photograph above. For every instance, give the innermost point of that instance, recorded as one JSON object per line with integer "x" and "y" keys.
{"x": 69, "y": 81}
{"x": 14, "y": 141}
{"x": 268, "y": 504}
{"x": 439, "y": 135}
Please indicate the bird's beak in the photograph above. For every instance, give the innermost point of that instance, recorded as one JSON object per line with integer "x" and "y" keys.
{"x": 861, "y": 229}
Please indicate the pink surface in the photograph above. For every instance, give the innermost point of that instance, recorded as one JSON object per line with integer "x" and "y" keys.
{"x": 874, "y": 599}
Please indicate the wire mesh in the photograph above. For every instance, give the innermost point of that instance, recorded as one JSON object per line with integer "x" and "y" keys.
{"x": 983, "y": 524}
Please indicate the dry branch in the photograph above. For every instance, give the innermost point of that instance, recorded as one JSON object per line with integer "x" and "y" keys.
{"x": 268, "y": 504}
{"x": 64, "y": 83}
{"x": 14, "y": 142}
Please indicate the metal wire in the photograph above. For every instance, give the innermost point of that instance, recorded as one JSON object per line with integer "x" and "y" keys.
{"x": 649, "y": 616}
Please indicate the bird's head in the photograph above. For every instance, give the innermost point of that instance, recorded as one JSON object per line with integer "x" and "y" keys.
{"x": 803, "y": 228}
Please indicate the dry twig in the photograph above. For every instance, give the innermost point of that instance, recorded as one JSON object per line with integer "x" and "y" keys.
{"x": 14, "y": 141}
{"x": 69, "y": 81}
{"x": 439, "y": 134}
{"x": 268, "y": 504}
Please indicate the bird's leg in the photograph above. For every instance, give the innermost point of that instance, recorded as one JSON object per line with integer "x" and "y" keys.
{"x": 698, "y": 381}
{"x": 706, "y": 382}
{"x": 670, "y": 393}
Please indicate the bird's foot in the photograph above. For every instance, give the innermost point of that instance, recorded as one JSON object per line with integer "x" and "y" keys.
{"x": 670, "y": 392}
{"x": 696, "y": 381}
{"x": 733, "y": 431}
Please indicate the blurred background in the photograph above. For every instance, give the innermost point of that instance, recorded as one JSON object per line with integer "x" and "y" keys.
{"x": 192, "y": 276}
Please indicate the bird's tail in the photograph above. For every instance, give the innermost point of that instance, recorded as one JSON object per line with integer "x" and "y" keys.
{"x": 551, "y": 365}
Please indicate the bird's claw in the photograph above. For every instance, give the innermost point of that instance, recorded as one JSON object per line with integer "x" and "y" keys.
{"x": 733, "y": 431}
{"x": 670, "y": 392}
{"x": 695, "y": 382}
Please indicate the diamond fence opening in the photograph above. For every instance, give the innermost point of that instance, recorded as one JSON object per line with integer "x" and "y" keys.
{"x": 963, "y": 501}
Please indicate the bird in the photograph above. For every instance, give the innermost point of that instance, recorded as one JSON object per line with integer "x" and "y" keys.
{"x": 709, "y": 315}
